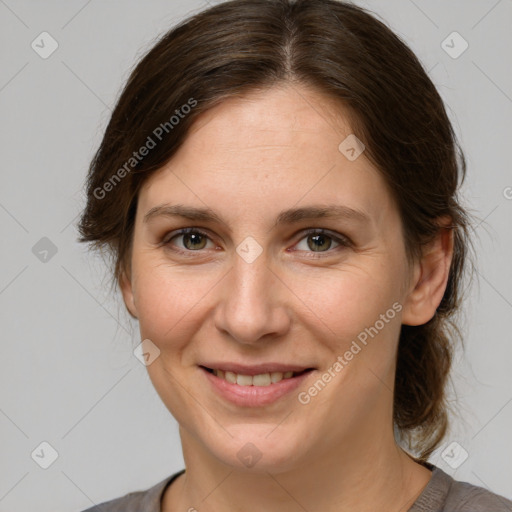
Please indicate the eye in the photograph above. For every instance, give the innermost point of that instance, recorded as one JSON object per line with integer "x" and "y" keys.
{"x": 193, "y": 240}
{"x": 317, "y": 241}
{"x": 320, "y": 241}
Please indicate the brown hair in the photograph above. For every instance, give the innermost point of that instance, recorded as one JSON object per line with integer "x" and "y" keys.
{"x": 342, "y": 51}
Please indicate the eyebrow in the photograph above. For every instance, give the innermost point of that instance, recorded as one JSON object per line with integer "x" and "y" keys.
{"x": 289, "y": 216}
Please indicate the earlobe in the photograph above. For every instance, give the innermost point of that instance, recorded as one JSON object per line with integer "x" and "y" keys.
{"x": 127, "y": 290}
{"x": 431, "y": 278}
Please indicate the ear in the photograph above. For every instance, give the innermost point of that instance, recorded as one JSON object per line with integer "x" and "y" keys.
{"x": 430, "y": 279}
{"x": 125, "y": 283}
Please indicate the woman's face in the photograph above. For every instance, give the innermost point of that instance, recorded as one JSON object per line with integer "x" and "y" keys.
{"x": 249, "y": 289}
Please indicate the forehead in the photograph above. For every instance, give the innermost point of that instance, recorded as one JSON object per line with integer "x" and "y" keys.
{"x": 279, "y": 144}
{"x": 282, "y": 117}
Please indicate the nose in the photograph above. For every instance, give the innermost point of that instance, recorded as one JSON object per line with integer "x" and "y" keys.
{"x": 253, "y": 303}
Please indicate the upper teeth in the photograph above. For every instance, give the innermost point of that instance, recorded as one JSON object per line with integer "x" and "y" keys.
{"x": 263, "y": 379}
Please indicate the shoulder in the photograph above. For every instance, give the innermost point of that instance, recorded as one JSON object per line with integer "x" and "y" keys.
{"x": 130, "y": 502}
{"x": 466, "y": 497}
{"x": 147, "y": 500}
{"x": 445, "y": 494}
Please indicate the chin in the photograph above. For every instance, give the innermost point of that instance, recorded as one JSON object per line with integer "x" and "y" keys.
{"x": 263, "y": 448}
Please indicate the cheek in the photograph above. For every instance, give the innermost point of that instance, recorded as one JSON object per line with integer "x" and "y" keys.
{"x": 168, "y": 300}
{"x": 360, "y": 323}
{"x": 350, "y": 300}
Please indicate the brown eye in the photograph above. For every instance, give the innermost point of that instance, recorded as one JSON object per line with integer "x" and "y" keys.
{"x": 192, "y": 240}
{"x": 319, "y": 241}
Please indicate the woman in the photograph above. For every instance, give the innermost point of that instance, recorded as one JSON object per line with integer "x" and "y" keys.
{"x": 278, "y": 186}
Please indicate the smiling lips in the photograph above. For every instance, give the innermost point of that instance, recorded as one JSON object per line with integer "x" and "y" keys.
{"x": 261, "y": 379}
{"x": 254, "y": 386}
{"x": 256, "y": 375}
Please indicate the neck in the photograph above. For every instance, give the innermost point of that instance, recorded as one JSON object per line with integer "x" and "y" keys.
{"x": 363, "y": 476}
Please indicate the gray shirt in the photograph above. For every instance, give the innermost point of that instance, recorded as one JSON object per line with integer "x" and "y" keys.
{"x": 442, "y": 494}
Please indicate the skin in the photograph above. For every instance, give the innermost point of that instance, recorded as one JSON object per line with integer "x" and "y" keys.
{"x": 247, "y": 159}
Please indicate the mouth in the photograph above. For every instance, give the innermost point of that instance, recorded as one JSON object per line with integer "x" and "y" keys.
{"x": 253, "y": 386}
{"x": 259, "y": 379}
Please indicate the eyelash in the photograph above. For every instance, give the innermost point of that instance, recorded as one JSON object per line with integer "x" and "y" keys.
{"x": 343, "y": 241}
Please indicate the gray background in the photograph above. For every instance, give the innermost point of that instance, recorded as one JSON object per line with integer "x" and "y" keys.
{"x": 67, "y": 372}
